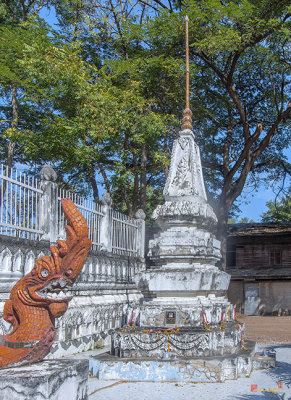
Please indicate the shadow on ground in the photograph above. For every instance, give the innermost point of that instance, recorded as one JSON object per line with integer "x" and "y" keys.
{"x": 282, "y": 373}
{"x": 266, "y": 396}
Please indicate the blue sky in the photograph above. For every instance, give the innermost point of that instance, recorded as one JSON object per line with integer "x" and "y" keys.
{"x": 48, "y": 15}
{"x": 256, "y": 204}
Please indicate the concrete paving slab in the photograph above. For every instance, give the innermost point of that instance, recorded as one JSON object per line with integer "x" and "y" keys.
{"x": 272, "y": 384}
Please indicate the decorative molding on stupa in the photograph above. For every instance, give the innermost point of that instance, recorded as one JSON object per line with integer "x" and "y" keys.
{"x": 187, "y": 120}
{"x": 184, "y": 191}
{"x": 185, "y": 179}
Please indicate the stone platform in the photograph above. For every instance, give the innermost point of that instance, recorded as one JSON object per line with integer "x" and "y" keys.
{"x": 178, "y": 368}
{"x": 62, "y": 379}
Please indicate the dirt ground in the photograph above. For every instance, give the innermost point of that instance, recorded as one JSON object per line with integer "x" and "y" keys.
{"x": 267, "y": 330}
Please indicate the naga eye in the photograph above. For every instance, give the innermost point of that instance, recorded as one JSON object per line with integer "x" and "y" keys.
{"x": 44, "y": 273}
{"x": 68, "y": 272}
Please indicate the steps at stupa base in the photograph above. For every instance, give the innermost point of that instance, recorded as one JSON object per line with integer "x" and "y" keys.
{"x": 183, "y": 369}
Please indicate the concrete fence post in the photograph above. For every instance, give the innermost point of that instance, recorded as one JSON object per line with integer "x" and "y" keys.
{"x": 106, "y": 223}
{"x": 140, "y": 217}
{"x": 48, "y": 206}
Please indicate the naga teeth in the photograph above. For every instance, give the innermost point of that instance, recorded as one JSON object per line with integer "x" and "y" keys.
{"x": 55, "y": 295}
{"x": 55, "y": 290}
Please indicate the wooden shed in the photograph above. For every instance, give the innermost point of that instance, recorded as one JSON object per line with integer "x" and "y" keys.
{"x": 259, "y": 262}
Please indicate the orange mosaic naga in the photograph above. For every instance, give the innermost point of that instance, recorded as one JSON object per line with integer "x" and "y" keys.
{"x": 43, "y": 295}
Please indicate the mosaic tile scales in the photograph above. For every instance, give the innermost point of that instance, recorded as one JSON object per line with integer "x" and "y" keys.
{"x": 43, "y": 294}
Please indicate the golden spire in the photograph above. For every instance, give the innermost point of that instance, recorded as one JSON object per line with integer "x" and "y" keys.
{"x": 187, "y": 113}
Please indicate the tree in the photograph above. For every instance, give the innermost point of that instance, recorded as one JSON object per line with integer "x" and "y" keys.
{"x": 118, "y": 122}
{"x": 50, "y": 85}
{"x": 278, "y": 211}
{"x": 240, "y": 57}
{"x": 240, "y": 64}
{"x": 13, "y": 14}
{"x": 92, "y": 117}
{"x": 243, "y": 220}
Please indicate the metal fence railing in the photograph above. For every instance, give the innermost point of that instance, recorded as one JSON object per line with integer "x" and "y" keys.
{"x": 31, "y": 209}
{"x": 91, "y": 211}
{"x": 124, "y": 233}
{"x": 19, "y": 204}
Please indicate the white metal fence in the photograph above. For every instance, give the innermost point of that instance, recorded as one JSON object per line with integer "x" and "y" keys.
{"x": 21, "y": 214}
{"x": 19, "y": 199}
{"x": 124, "y": 234}
{"x": 91, "y": 211}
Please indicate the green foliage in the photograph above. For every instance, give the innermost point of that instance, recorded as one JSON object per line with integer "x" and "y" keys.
{"x": 278, "y": 211}
{"x": 243, "y": 220}
{"x": 101, "y": 97}
{"x": 240, "y": 54}
{"x": 46, "y": 73}
{"x": 246, "y": 220}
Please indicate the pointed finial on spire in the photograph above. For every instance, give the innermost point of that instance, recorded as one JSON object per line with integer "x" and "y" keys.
{"x": 187, "y": 113}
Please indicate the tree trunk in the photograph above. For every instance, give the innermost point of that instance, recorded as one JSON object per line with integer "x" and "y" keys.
{"x": 10, "y": 155}
{"x": 135, "y": 185}
{"x": 221, "y": 233}
{"x": 104, "y": 176}
{"x": 124, "y": 162}
{"x": 143, "y": 179}
{"x": 166, "y": 167}
{"x": 222, "y": 236}
{"x": 93, "y": 184}
{"x": 11, "y": 144}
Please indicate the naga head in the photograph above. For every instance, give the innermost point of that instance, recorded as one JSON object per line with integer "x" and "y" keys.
{"x": 49, "y": 282}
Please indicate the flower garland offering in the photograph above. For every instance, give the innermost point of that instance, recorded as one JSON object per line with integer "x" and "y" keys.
{"x": 222, "y": 323}
{"x": 235, "y": 315}
{"x": 205, "y": 322}
{"x": 242, "y": 343}
{"x": 167, "y": 332}
{"x": 242, "y": 338}
{"x": 131, "y": 321}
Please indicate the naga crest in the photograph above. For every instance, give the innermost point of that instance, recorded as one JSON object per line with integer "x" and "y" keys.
{"x": 44, "y": 293}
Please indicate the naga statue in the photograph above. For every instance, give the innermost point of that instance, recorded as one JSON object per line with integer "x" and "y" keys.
{"x": 43, "y": 295}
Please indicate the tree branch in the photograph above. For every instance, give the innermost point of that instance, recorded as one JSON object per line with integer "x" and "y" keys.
{"x": 211, "y": 64}
{"x": 227, "y": 143}
{"x": 245, "y": 154}
{"x": 149, "y": 5}
{"x": 162, "y": 5}
{"x": 268, "y": 138}
{"x": 232, "y": 68}
{"x": 227, "y": 81}
{"x": 104, "y": 176}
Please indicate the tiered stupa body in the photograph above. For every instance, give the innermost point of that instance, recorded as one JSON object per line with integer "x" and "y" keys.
{"x": 185, "y": 328}
{"x": 184, "y": 311}
{"x": 183, "y": 279}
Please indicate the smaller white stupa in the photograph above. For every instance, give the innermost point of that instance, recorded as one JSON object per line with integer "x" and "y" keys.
{"x": 183, "y": 280}
{"x": 184, "y": 317}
